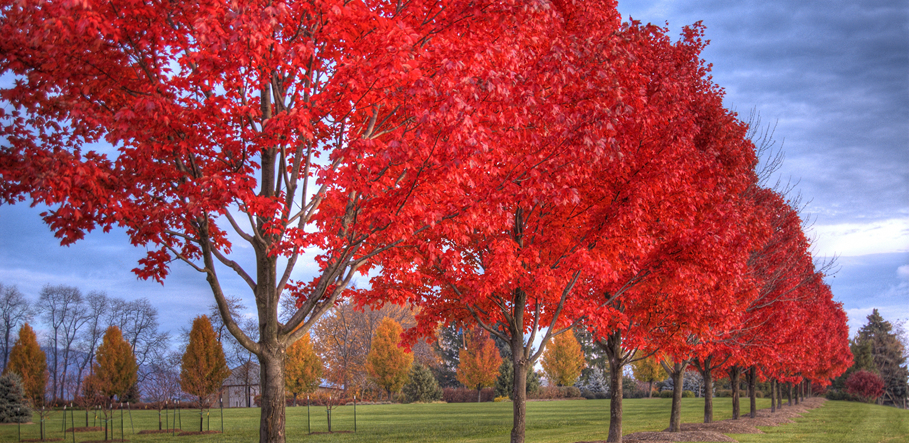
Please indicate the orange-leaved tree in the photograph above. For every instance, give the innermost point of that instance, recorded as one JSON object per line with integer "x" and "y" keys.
{"x": 28, "y": 361}
{"x": 563, "y": 360}
{"x": 387, "y": 363}
{"x": 303, "y": 368}
{"x": 203, "y": 367}
{"x": 116, "y": 368}
{"x": 479, "y": 361}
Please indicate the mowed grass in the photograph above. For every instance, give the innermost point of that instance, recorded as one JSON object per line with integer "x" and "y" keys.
{"x": 839, "y": 422}
{"x": 551, "y": 421}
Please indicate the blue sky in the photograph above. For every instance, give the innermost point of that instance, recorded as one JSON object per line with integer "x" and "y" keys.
{"x": 832, "y": 77}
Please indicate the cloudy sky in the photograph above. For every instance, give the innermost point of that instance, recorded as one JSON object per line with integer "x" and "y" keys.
{"x": 832, "y": 76}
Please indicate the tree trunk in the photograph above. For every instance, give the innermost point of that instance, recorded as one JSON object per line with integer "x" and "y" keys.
{"x": 790, "y": 393}
{"x": 752, "y": 390}
{"x": 734, "y": 383}
{"x": 779, "y": 395}
{"x": 707, "y": 374}
{"x": 675, "y": 416}
{"x": 772, "y": 396}
{"x": 201, "y": 419}
{"x": 271, "y": 379}
{"x": 650, "y": 392}
{"x": 613, "y": 351}
{"x": 479, "y": 394}
{"x": 519, "y": 391}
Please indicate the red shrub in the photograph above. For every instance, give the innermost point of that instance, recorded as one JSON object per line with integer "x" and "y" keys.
{"x": 867, "y": 385}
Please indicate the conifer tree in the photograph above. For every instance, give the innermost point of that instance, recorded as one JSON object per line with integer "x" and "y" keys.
{"x": 203, "y": 367}
{"x": 303, "y": 368}
{"x": 563, "y": 360}
{"x": 422, "y": 386}
{"x": 28, "y": 361}
{"x": 387, "y": 363}
{"x": 13, "y": 406}
{"x": 886, "y": 355}
{"x": 116, "y": 368}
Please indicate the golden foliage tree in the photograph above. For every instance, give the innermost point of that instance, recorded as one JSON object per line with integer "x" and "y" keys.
{"x": 479, "y": 361}
{"x": 303, "y": 368}
{"x": 649, "y": 370}
{"x": 203, "y": 367}
{"x": 28, "y": 361}
{"x": 563, "y": 360}
{"x": 388, "y": 364}
{"x": 116, "y": 370}
{"x": 343, "y": 339}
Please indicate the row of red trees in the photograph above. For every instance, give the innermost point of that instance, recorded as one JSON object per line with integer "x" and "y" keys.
{"x": 521, "y": 166}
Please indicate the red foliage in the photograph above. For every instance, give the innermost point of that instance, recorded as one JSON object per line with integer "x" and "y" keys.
{"x": 865, "y": 384}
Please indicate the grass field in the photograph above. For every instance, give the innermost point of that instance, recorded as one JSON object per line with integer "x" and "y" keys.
{"x": 555, "y": 421}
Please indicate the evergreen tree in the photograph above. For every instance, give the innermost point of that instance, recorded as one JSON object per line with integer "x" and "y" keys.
{"x": 422, "y": 386}
{"x": 505, "y": 381}
{"x": 28, "y": 361}
{"x": 887, "y": 355}
{"x": 593, "y": 383}
{"x": 446, "y": 347}
{"x": 13, "y": 406}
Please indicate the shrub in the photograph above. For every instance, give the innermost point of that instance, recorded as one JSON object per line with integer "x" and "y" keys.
{"x": 867, "y": 385}
{"x": 687, "y": 394}
{"x": 666, "y": 394}
{"x": 758, "y": 394}
{"x": 501, "y": 399}
{"x": 835, "y": 394}
{"x": 724, "y": 393}
{"x": 464, "y": 395}
{"x": 422, "y": 386}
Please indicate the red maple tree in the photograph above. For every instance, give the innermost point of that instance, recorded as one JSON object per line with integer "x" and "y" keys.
{"x": 325, "y": 126}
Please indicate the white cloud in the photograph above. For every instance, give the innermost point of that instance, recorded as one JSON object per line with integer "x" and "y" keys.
{"x": 851, "y": 239}
{"x": 903, "y": 272}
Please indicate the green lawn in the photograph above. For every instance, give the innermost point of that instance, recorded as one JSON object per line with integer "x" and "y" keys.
{"x": 555, "y": 421}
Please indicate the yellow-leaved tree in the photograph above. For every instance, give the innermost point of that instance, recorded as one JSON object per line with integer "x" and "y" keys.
{"x": 479, "y": 362}
{"x": 303, "y": 368}
{"x": 649, "y": 370}
{"x": 387, "y": 363}
{"x": 203, "y": 367}
{"x": 116, "y": 368}
{"x": 27, "y": 360}
{"x": 563, "y": 360}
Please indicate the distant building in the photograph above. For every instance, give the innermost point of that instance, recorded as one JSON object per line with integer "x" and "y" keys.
{"x": 240, "y": 389}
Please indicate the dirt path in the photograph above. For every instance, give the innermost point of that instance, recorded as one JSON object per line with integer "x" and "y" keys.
{"x": 716, "y": 431}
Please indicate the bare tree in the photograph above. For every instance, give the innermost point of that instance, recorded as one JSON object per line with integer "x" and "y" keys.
{"x": 14, "y": 311}
{"x": 57, "y": 306}
{"x": 96, "y": 306}
{"x": 162, "y": 382}
{"x": 138, "y": 320}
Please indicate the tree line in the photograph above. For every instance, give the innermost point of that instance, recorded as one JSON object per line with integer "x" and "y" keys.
{"x": 524, "y": 168}
{"x": 72, "y": 325}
